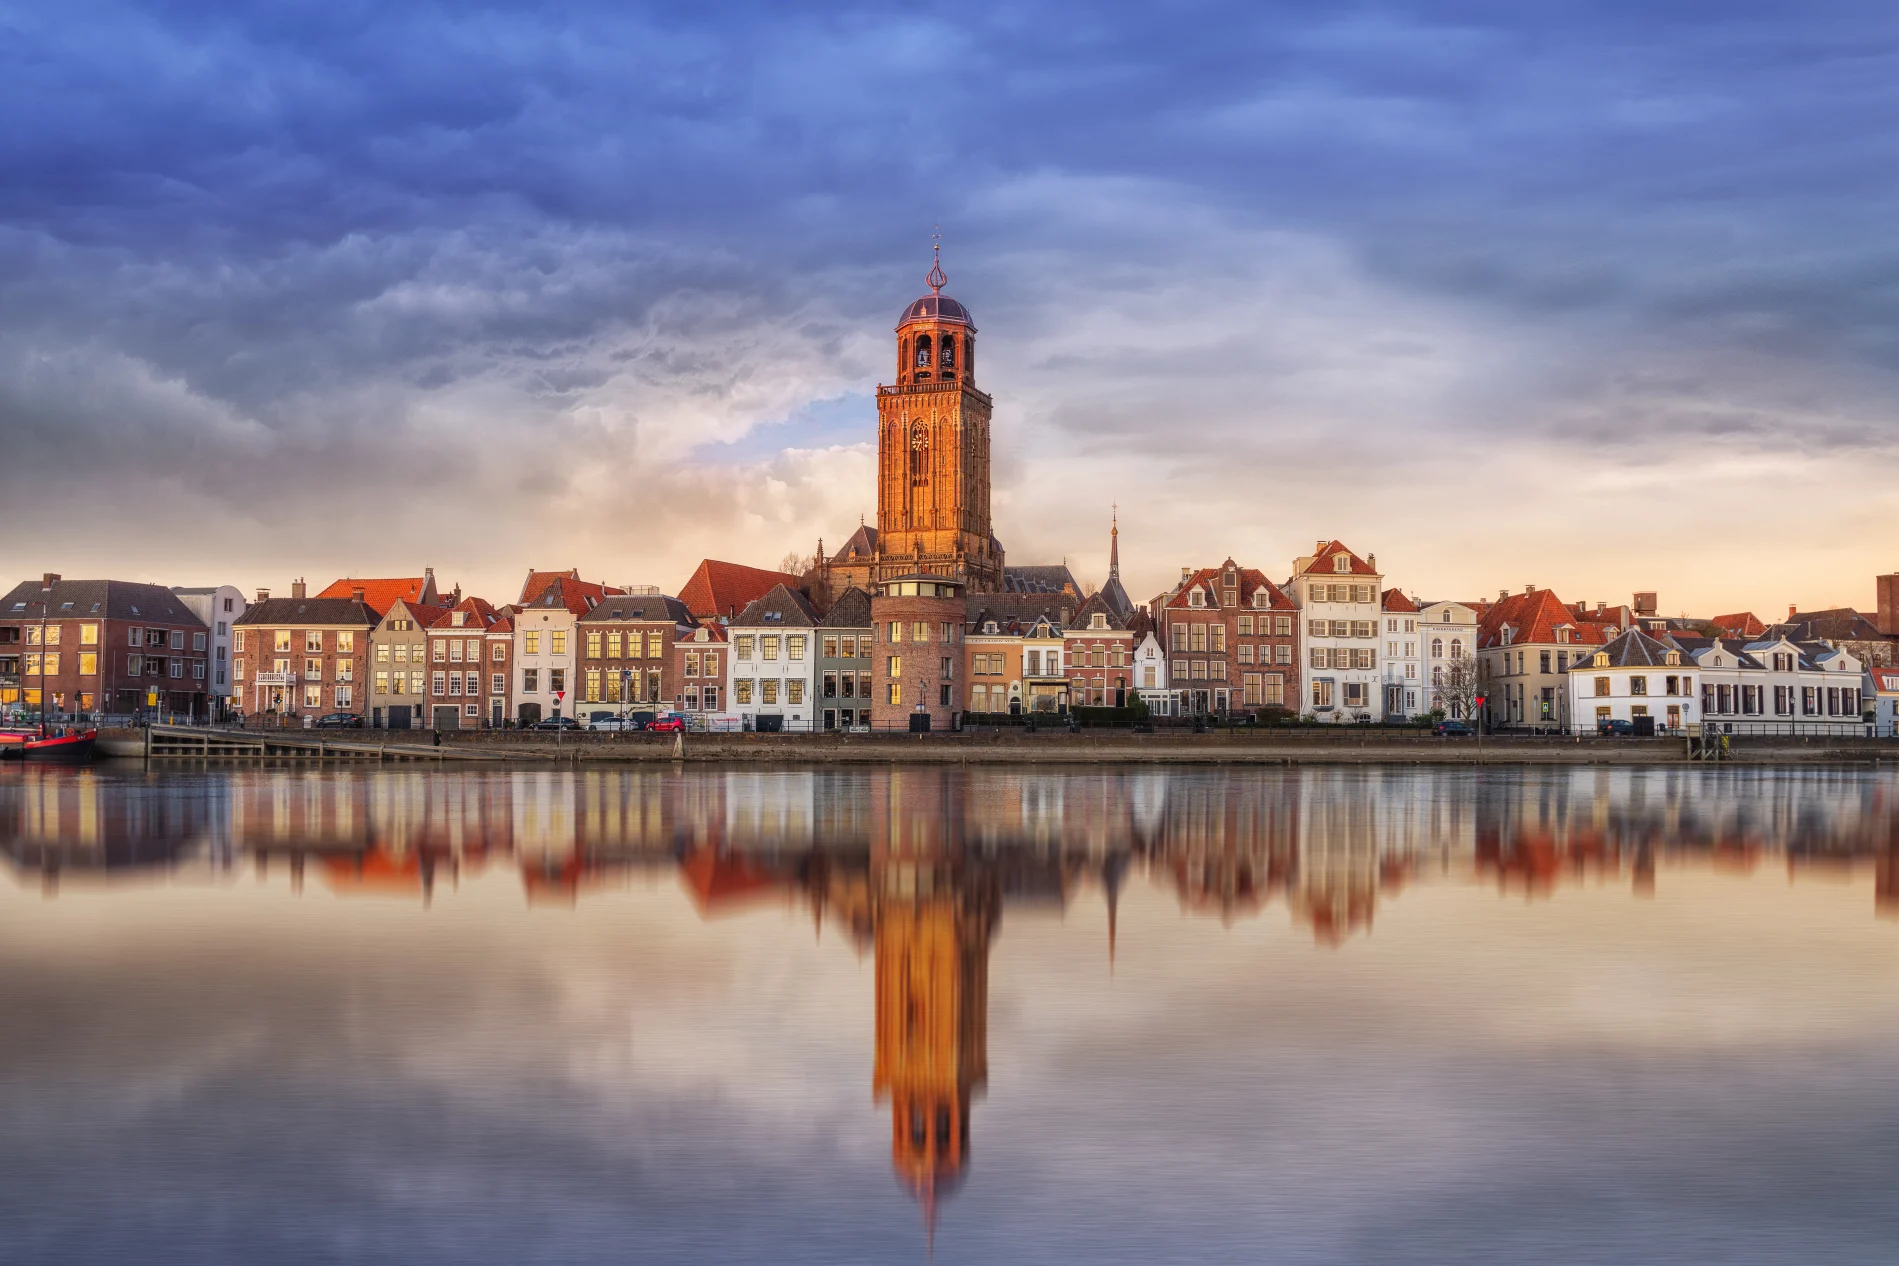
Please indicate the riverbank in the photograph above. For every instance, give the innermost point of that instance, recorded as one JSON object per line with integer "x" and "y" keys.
{"x": 1015, "y": 747}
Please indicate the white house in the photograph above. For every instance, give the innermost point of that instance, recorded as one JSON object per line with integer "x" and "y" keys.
{"x": 547, "y": 650}
{"x": 1774, "y": 686}
{"x": 1150, "y": 676}
{"x": 1339, "y": 599}
{"x": 1405, "y": 695}
{"x": 218, "y": 606}
{"x": 1633, "y": 677}
{"x": 772, "y": 682}
{"x": 1447, "y": 642}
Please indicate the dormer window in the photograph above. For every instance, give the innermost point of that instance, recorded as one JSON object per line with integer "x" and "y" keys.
{"x": 1447, "y": 617}
{"x": 1098, "y": 621}
{"x": 990, "y": 627}
{"x": 1509, "y": 635}
{"x": 1194, "y": 598}
{"x": 1602, "y": 659}
{"x": 1341, "y": 563}
{"x": 1259, "y": 597}
{"x": 1672, "y": 658}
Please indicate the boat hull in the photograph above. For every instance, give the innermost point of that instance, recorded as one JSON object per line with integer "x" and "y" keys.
{"x": 70, "y": 749}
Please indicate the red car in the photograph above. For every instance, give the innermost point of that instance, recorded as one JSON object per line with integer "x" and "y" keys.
{"x": 666, "y": 725}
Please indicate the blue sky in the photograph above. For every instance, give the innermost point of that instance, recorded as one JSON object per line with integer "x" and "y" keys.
{"x": 1505, "y": 293}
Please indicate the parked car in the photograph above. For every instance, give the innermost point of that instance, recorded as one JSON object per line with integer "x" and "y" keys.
{"x": 1452, "y": 729}
{"x": 557, "y": 723}
{"x": 1615, "y": 725}
{"x": 340, "y": 721}
{"x": 623, "y": 725}
{"x": 668, "y": 725}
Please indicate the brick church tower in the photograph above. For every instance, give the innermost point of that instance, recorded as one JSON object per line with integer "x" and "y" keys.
{"x": 933, "y": 450}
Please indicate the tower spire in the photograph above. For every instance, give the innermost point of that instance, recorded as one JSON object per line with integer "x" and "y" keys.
{"x": 1114, "y": 542}
{"x": 937, "y": 278}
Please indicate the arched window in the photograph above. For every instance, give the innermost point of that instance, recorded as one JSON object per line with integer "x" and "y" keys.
{"x": 1437, "y": 648}
{"x": 1457, "y": 649}
{"x": 923, "y": 352}
{"x": 949, "y": 352}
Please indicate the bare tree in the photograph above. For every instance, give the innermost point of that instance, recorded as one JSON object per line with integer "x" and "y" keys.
{"x": 796, "y": 564}
{"x": 1456, "y": 691}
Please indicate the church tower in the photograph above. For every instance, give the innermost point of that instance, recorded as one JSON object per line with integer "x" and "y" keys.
{"x": 933, "y": 450}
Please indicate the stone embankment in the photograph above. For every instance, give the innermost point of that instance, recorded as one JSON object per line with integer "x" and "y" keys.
{"x": 988, "y": 747}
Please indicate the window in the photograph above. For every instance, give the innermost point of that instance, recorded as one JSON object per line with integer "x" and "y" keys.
{"x": 382, "y": 682}
{"x": 1275, "y": 691}
{"x": 89, "y": 636}
{"x": 794, "y": 647}
{"x": 345, "y": 670}
{"x": 1218, "y": 633}
{"x": 1319, "y": 628}
{"x": 345, "y": 696}
{"x": 896, "y": 694}
{"x": 768, "y": 691}
{"x": 557, "y": 679}
{"x": 438, "y": 685}
{"x": 794, "y": 691}
{"x": 1602, "y": 687}
{"x": 593, "y": 685}
{"x": 613, "y": 644}
{"x": 947, "y": 672}
{"x": 1322, "y": 694}
{"x": 237, "y": 670}
{"x": 1282, "y": 626}
{"x": 896, "y": 630}
{"x": 596, "y": 640}
{"x": 89, "y": 664}
{"x": 768, "y": 647}
{"x": 530, "y": 681}
{"x": 312, "y": 643}
{"x": 497, "y": 684}
{"x": 745, "y": 646}
{"x": 499, "y": 652}
{"x": 1638, "y": 685}
{"x": 1244, "y": 652}
{"x": 742, "y": 690}
{"x": 440, "y": 650}
{"x": 283, "y": 639}
{"x": 893, "y": 667}
{"x": 1543, "y": 661}
{"x": 1177, "y": 637}
{"x": 237, "y": 640}
{"x": 1340, "y": 563}
{"x": 711, "y": 664}
{"x": 313, "y": 696}
{"x": 1246, "y": 625}
{"x": 1364, "y": 628}
{"x": 556, "y": 642}
{"x": 473, "y": 684}
{"x": 313, "y": 668}
{"x": 531, "y": 642}
{"x": 1199, "y": 642}
{"x": 655, "y": 645}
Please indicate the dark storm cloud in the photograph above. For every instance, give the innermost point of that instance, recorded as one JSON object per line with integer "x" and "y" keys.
{"x": 373, "y": 246}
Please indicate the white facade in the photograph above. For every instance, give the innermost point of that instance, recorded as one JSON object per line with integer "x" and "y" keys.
{"x": 1447, "y": 634}
{"x": 1608, "y": 684}
{"x": 546, "y": 659}
{"x": 1150, "y": 677}
{"x": 1879, "y": 695}
{"x": 1403, "y": 663}
{"x": 1340, "y": 679}
{"x": 772, "y": 674}
{"x": 1777, "y": 686}
{"x": 218, "y": 606}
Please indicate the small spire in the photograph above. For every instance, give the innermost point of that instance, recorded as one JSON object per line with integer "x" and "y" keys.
{"x": 1114, "y": 543}
{"x": 937, "y": 278}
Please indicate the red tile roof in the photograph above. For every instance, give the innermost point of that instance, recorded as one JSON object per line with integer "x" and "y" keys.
{"x": 477, "y": 613}
{"x": 1322, "y": 562}
{"x": 538, "y": 580}
{"x": 719, "y": 589}
{"x": 382, "y": 594}
{"x": 1739, "y": 624}
{"x": 1535, "y": 617}
{"x": 1396, "y": 601}
{"x": 1251, "y": 579}
{"x": 577, "y": 596}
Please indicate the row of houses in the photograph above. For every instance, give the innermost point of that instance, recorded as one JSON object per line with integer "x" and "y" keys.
{"x": 760, "y": 649}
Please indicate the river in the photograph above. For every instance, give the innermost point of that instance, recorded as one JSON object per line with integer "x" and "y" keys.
{"x": 860, "y": 1014}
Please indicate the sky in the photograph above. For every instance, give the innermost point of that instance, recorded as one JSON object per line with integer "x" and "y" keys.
{"x": 1595, "y": 296}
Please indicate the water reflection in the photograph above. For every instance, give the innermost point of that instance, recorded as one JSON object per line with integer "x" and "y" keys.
{"x": 918, "y": 867}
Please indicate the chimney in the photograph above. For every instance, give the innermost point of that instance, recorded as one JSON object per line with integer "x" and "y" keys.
{"x": 1601, "y": 606}
{"x": 298, "y": 589}
{"x": 1792, "y": 611}
{"x": 263, "y": 595}
{"x": 1502, "y": 594}
{"x": 1318, "y": 547}
{"x": 1371, "y": 561}
{"x": 356, "y": 593}
{"x": 1529, "y": 589}
{"x": 1887, "y": 588}
{"x": 1186, "y": 574}
{"x": 48, "y": 579}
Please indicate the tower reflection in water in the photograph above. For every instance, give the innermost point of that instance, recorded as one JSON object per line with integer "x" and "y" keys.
{"x": 918, "y": 866}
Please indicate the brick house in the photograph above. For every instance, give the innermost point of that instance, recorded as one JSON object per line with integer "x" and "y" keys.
{"x": 1098, "y": 653}
{"x": 301, "y": 656}
{"x": 1232, "y": 639}
{"x": 699, "y": 663}
{"x": 917, "y": 658}
{"x": 101, "y": 646}
{"x": 626, "y": 653}
{"x": 381, "y": 592}
{"x": 1013, "y": 647}
{"x": 499, "y": 667}
{"x": 467, "y": 682}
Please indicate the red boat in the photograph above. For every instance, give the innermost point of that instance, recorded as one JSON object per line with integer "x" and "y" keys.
{"x": 72, "y": 748}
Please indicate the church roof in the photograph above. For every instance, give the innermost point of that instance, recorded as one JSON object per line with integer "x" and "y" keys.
{"x": 936, "y": 307}
{"x": 1055, "y": 578}
{"x": 863, "y": 544}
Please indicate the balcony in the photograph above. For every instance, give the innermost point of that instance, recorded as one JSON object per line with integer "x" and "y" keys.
{"x": 275, "y": 679}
